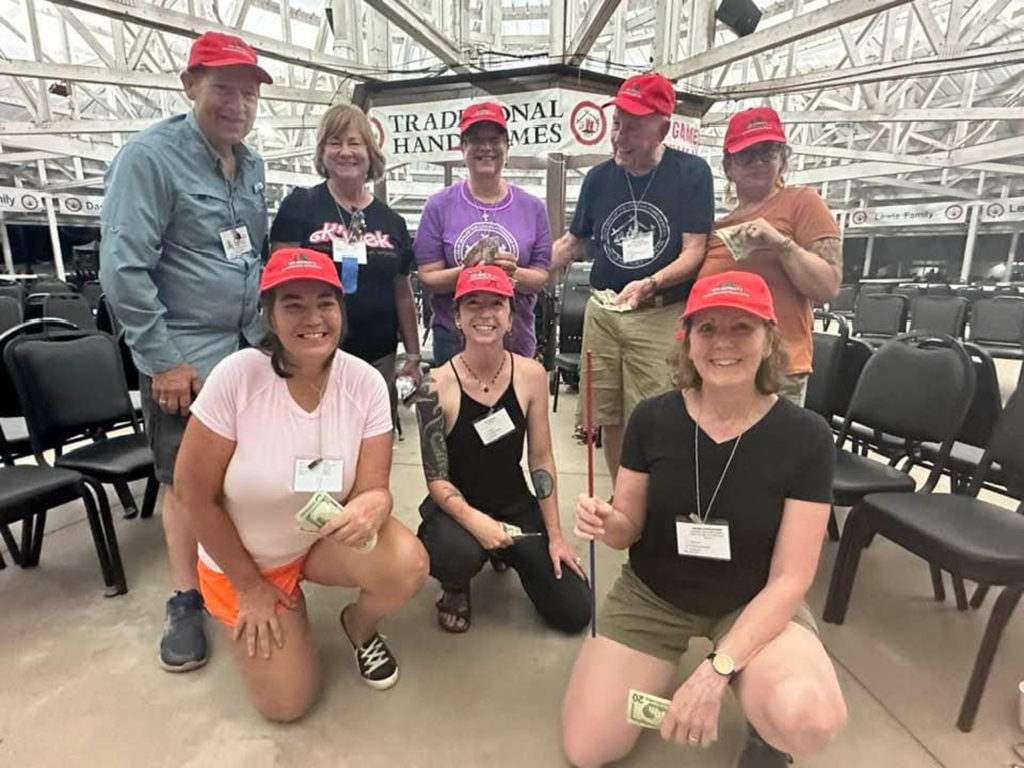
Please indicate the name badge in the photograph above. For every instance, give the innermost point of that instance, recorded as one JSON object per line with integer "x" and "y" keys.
{"x": 708, "y": 540}
{"x": 494, "y": 426}
{"x": 638, "y": 247}
{"x": 325, "y": 475}
{"x": 344, "y": 250}
{"x": 236, "y": 242}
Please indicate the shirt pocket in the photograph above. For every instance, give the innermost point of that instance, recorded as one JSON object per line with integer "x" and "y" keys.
{"x": 203, "y": 212}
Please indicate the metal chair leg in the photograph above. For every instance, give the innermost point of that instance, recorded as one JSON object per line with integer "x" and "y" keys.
{"x": 959, "y": 592}
{"x": 27, "y": 526}
{"x": 119, "y": 586}
{"x": 855, "y": 533}
{"x": 938, "y": 586}
{"x": 557, "y": 378}
{"x": 149, "y": 497}
{"x": 979, "y": 595}
{"x": 12, "y": 545}
{"x": 833, "y": 525}
{"x": 96, "y": 529}
{"x": 37, "y": 540}
{"x": 124, "y": 493}
{"x": 1001, "y": 612}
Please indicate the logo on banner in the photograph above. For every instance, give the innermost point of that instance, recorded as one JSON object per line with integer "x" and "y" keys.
{"x": 72, "y": 205}
{"x": 995, "y": 211}
{"x": 379, "y": 130}
{"x": 859, "y": 217}
{"x": 955, "y": 213}
{"x": 30, "y": 202}
{"x": 619, "y": 225}
{"x": 588, "y": 123}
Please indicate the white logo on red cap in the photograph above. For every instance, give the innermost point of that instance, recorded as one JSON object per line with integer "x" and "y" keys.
{"x": 728, "y": 287}
{"x": 299, "y": 261}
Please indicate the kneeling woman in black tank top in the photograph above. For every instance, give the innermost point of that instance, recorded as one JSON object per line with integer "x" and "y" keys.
{"x": 474, "y": 412}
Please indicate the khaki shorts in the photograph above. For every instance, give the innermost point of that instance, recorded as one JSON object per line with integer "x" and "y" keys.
{"x": 637, "y": 618}
{"x": 630, "y": 352}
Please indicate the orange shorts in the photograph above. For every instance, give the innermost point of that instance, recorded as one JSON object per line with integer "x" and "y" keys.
{"x": 220, "y": 595}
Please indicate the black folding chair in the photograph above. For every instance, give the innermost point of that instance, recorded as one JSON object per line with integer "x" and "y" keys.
{"x": 575, "y": 295}
{"x": 997, "y": 325}
{"x": 91, "y": 292}
{"x": 50, "y": 285}
{"x": 843, "y": 304}
{"x": 13, "y": 290}
{"x": 880, "y": 317}
{"x": 823, "y": 383}
{"x": 71, "y": 307}
{"x": 952, "y": 532}
{"x": 76, "y": 385}
{"x": 939, "y": 314}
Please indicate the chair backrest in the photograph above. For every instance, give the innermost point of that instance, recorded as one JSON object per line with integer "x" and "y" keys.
{"x": 997, "y": 321}
{"x": 50, "y": 285}
{"x": 10, "y": 313}
{"x": 939, "y": 289}
{"x": 972, "y": 293}
{"x": 823, "y": 383}
{"x": 880, "y": 314}
{"x": 855, "y": 355}
{"x": 107, "y": 321}
{"x": 575, "y": 295}
{"x": 1005, "y": 447}
{"x": 987, "y": 405}
{"x": 910, "y": 291}
{"x": 846, "y": 300}
{"x": 939, "y": 314}
{"x": 68, "y": 386}
{"x": 917, "y": 386}
{"x": 10, "y": 406}
{"x": 13, "y": 290}
{"x": 92, "y": 291}
{"x": 71, "y": 307}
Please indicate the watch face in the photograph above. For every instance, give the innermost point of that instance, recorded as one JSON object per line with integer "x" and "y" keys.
{"x": 723, "y": 664}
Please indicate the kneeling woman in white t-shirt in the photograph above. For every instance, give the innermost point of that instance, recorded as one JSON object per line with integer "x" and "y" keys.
{"x": 282, "y": 440}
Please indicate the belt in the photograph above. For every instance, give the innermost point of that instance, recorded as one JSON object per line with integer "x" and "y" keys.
{"x": 672, "y": 295}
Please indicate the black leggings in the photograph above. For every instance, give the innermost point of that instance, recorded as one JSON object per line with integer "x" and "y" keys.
{"x": 456, "y": 557}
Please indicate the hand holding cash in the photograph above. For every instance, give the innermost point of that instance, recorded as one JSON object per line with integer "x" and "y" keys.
{"x": 483, "y": 252}
{"x": 516, "y": 532}
{"x": 321, "y": 509}
{"x": 744, "y": 239}
{"x": 645, "y": 710}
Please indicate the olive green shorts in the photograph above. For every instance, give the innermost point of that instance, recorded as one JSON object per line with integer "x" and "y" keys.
{"x": 637, "y": 618}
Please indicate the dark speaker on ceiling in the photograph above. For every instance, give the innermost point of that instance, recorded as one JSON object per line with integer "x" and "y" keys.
{"x": 741, "y": 16}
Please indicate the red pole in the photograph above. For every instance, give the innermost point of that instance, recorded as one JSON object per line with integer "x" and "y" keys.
{"x": 588, "y": 411}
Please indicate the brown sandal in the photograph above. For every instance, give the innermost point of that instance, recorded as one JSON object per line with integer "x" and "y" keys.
{"x": 461, "y": 614}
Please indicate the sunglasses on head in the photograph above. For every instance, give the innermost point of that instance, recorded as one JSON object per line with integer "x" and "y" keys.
{"x": 764, "y": 153}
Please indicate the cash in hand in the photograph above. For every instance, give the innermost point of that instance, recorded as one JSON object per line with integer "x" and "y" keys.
{"x": 645, "y": 710}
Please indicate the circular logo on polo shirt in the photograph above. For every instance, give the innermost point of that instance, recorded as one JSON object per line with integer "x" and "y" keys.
{"x": 479, "y": 230}
{"x": 619, "y": 224}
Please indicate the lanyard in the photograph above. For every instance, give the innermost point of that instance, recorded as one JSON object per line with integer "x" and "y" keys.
{"x": 696, "y": 464}
{"x": 636, "y": 203}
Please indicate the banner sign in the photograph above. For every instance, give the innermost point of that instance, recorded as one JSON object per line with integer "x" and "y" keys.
{"x": 16, "y": 200}
{"x": 908, "y": 215}
{"x": 539, "y": 122}
{"x": 1004, "y": 209}
{"x": 79, "y": 205}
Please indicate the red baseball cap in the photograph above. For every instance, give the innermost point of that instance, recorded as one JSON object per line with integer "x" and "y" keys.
{"x": 740, "y": 290}
{"x": 485, "y": 112}
{"x": 215, "y": 49}
{"x": 646, "y": 94}
{"x": 289, "y": 264}
{"x": 752, "y": 126}
{"x": 487, "y": 278}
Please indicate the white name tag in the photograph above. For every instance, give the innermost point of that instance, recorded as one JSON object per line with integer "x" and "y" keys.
{"x": 708, "y": 540}
{"x": 325, "y": 475}
{"x": 638, "y": 248}
{"x": 494, "y": 426}
{"x": 345, "y": 250}
{"x": 236, "y": 242}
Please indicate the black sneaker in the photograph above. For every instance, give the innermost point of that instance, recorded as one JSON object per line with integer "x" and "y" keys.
{"x": 376, "y": 664}
{"x": 757, "y": 753}
{"x": 183, "y": 646}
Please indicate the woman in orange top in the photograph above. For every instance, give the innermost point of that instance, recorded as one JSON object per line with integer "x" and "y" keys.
{"x": 785, "y": 234}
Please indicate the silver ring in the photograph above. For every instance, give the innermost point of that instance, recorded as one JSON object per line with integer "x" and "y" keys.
{"x": 578, "y": 561}
{"x": 694, "y": 739}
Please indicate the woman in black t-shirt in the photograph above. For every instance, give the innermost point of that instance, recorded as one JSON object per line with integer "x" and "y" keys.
{"x": 368, "y": 241}
{"x": 722, "y": 498}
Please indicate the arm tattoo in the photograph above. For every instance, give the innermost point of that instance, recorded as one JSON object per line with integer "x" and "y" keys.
{"x": 453, "y": 494}
{"x": 433, "y": 448}
{"x": 829, "y": 250}
{"x": 543, "y": 483}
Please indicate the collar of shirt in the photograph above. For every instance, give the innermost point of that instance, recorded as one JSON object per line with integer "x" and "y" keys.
{"x": 242, "y": 153}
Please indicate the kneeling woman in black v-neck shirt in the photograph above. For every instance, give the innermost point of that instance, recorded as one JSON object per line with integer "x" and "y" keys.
{"x": 475, "y": 412}
{"x": 722, "y": 499}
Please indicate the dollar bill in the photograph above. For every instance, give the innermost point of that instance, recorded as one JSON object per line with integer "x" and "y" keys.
{"x": 317, "y": 511}
{"x": 645, "y": 710}
{"x": 483, "y": 251}
{"x": 734, "y": 240}
{"x": 511, "y": 530}
{"x": 606, "y": 298}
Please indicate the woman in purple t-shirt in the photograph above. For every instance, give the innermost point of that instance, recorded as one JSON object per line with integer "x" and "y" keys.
{"x": 484, "y": 205}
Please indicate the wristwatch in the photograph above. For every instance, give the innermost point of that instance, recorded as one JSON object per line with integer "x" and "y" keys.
{"x": 723, "y": 664}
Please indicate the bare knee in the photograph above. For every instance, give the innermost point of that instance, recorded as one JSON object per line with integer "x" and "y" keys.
{"x": 284, "y": 708}
{"x": 585, "y": 748}
{"x": 805, "y": 717}
{"x": 413, "y": 567}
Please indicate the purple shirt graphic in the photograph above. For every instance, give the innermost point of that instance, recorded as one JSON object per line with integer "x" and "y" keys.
{"x": 453, "y": 220}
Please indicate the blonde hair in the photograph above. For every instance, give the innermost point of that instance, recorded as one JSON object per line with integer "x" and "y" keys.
{"x": 770, "y": 372}
{"x": 334, "y": 123}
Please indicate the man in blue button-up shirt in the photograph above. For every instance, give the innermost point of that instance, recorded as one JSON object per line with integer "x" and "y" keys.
{"x": 184, "y": 225}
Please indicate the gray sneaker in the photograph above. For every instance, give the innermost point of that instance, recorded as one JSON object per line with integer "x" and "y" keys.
{"x": 757, "y": 753}
{"x": 183, "y": 646}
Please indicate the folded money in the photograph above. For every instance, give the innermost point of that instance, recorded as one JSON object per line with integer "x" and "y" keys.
{"x": 606, "y": 298}
{"x": 320, "y": 508}
{"x": 483, "y": 251}
{"x": 645, "y": 710}
{"x": 736, "y": 240}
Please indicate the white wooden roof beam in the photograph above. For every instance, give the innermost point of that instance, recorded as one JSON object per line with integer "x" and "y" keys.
{"x": 599, "y": 13}
{"x": 406, "y": 17}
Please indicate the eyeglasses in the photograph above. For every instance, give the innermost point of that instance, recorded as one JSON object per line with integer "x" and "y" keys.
{"x": 764, "y": 153}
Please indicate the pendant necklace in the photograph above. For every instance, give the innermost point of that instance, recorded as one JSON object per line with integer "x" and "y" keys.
{"x": 486, "y": 386}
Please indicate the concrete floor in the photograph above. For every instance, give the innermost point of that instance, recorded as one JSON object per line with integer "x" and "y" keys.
{"x": 80, "y": 685}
